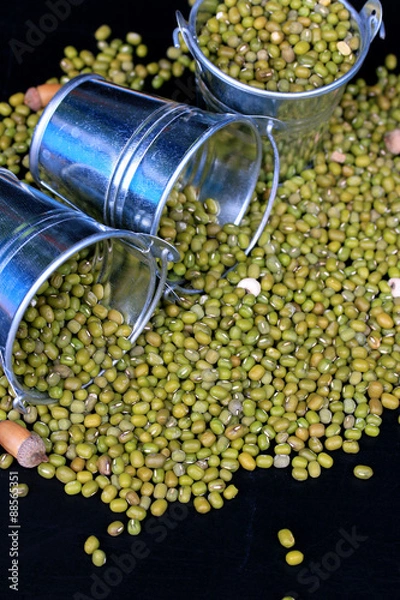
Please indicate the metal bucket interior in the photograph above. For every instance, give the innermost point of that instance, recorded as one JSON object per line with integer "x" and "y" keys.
{"x": 301, "y": 118}
{"x": 37, "y": 236}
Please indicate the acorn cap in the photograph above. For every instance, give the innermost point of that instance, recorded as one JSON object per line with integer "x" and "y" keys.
{"x": 32, "y": 451}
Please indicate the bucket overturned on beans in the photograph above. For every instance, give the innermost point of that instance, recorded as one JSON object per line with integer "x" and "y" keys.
{"x": 38, "y": 235}
{"x": 265, "y": 64}
{"x": 118, "y": 154}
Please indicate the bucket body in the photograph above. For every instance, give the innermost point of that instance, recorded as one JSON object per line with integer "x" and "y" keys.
{"x": 117, "y": 154}
{"x": 37, "y": 235}
{"x": 300, "y": 118}
{"x": 296, "y": 141}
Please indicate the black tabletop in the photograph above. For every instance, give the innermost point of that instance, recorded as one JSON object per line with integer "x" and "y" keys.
{"x": 348, "y": 529}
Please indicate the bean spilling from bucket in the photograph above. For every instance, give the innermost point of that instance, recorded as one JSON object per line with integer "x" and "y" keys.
{"x": 207, "y": 249}
{"x": 38, "y": 236}
{"x": 192, "y": 224}
{"x": 189, "y": 222}
{"x": 285, "y": 377}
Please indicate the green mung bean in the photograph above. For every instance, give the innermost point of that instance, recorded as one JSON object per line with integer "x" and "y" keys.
{"x": 91, "y": 544}
{"x": 134, "y": 527}
{"x": 286, "y": 538}
{"x": 289, "y": 44}
{"x": 6, "y": 460}
{"x": 99, "y": 557}
{"x": 19, "y": 490}
{"x": 115, "y": 528}
{"x": 294, "y": 557}
{"x": 363, "y": 472}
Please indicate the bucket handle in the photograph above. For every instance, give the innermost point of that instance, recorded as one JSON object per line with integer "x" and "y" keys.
{"x": 371, "y": 13}
{"x": 63, "y": 199}
{"x": 6, "y": 174}
{"x": 273, "y": 190}
{"x": 184, "y": 29}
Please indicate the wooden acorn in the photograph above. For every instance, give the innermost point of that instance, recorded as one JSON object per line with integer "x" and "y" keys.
{"x": 26, "y": 446}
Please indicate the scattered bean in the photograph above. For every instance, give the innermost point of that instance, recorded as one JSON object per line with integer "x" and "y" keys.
{"x": 363, "y": 472}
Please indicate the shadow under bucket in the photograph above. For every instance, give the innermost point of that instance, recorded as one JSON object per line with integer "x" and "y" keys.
{"x": 300, "y": 118}
{"x": 37, "y": 236}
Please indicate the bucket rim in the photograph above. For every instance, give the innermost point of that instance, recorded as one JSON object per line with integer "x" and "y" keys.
{"x": 225, "y": 123}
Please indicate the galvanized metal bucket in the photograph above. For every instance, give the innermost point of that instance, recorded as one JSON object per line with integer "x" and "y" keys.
{"x": 117, "y": 154}
{"x": 38, "y": 234}
{"x": 300, "y": 119}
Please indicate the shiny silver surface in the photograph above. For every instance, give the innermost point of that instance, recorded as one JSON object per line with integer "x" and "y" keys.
{"x": 117, "y": 154}
{"x": 38, "y": 234}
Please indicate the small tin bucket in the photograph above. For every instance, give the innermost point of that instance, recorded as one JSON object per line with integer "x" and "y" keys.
{"x": 300, "y": 119}
{"x": 38, "y": 234}
{"x": 117, "y": 154}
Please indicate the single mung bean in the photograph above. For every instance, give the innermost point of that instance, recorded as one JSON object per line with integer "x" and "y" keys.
{"x": 91, "y": 544}
{"x": 363, "y": 472}
{"x": 19, "y": 490}
{"x": 6, "y": 460}
{"x": 99, "y": 557}
{"x": 294, "y": 557}
{"x": 286, "y": 538}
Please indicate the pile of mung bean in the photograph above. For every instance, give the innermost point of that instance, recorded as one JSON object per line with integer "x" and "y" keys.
{"x": 68, "y": 336}
{"x": 281, "y": 45}
{"x": 207, "y": 248}
{"x": 227, "y": 379}
{"x": 123, "y": 61}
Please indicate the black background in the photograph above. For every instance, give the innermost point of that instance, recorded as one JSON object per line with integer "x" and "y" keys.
{"x": 348, "y": 529}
